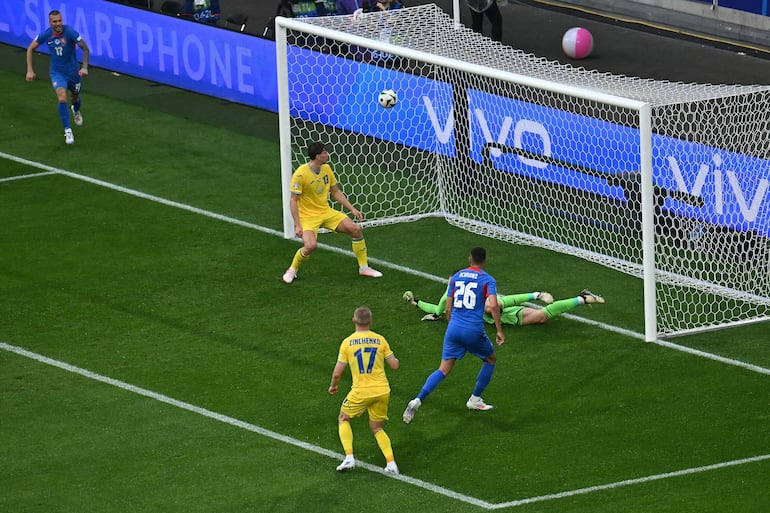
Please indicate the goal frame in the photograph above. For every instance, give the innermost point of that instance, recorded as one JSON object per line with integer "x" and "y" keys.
{"x": 642, "y": 109}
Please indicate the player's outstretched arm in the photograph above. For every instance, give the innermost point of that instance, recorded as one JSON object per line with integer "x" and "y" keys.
{"x": 431, "y": 308}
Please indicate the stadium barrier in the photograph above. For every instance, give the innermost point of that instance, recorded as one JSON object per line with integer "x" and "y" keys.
{"x": 193, "y": 56}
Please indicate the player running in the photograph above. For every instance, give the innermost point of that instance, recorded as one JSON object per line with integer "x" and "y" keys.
{"x": 472, "y": 291}
{"x": 65, "y": 73}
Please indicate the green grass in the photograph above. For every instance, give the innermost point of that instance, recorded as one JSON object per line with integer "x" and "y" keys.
{"x": 192, "y": 307}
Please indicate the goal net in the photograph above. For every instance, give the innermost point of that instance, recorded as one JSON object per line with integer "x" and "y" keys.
{"x": 664, "y": 181}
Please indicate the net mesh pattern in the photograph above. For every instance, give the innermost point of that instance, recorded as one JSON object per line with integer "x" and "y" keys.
{"x": 532, "y": 163}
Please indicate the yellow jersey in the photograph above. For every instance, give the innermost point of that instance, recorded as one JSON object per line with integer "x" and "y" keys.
{"x": 365, "y": 353}
{"x": 313, "y": 189}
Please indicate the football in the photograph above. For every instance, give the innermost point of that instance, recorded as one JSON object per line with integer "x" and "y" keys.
{"x": 388, "y": 98}
{"x": 577, "y": 43}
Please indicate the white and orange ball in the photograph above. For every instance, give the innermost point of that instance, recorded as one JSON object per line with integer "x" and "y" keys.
{"x": 577, "y": 43}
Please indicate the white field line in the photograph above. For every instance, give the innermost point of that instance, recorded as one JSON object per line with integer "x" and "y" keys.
{"x": 238, "y": 423}
{"x": 630, "y": 482}
{"x": 372, "y": 468}
{"x": 325, "y": 452}
{"x": 378, "y": 262}
{"x": 32, "y": 175}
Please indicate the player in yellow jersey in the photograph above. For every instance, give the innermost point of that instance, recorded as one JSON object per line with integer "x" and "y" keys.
{"x": 366, "y": 353}
{"x": 311, "y": 185}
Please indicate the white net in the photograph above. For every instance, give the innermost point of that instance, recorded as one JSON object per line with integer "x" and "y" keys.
{"x": 535, "y": 161}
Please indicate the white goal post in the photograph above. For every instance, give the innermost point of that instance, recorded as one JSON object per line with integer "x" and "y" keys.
{"x": 664, "y": 181}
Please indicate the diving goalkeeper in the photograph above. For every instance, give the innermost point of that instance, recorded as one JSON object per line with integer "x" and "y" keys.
{"x": 511, "y": 310}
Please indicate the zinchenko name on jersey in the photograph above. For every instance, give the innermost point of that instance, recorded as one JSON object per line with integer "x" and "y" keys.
{"x": 365, "y": 340}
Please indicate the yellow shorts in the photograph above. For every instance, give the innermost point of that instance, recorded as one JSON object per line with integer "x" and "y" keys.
{"x": 354, "y": 406}
{"x": 330, "y": 220}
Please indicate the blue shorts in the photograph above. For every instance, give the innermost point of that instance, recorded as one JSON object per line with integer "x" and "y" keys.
{"x": 70, "y": 81}
{"x": 459, "y": 340}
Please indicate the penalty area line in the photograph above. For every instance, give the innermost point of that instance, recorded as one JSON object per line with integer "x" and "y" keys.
{"x": 390, "y": 265}
{"x": 630, "y": 482}
{"x": 372, "y": 468}
{"x": 239, "y": 424}
{"x": 24, "y": 177}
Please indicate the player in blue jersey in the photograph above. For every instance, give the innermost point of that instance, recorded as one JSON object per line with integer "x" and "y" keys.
{"x": 470, "y": 291}
{"x": 65, "y": 72}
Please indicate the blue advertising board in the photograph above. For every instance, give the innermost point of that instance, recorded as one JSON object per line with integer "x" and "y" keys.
{"x": 733, "y": 187}
{"x": 335, "y": 99}
{"x": 166, "y": 49}
{"x": 242, "y": 69}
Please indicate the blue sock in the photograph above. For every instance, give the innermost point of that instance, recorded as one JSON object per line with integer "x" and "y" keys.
{"x": 485, "y": 376}
{"x": 76, "y": 105}
{"x": 430, "y": 384}
{"x": 64, "y": 114}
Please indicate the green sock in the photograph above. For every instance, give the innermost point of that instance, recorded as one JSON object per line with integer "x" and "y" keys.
{"x": 559, "y": 307}
{"x": 516, "y": 299}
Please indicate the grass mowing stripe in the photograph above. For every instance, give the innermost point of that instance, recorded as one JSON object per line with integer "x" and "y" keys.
{"x": 381, "y": 263}
{"x": 373, "y": 468}
{"x": 236, "y": 423}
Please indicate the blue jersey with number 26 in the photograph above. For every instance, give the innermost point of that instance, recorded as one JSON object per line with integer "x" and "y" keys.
{"x": 467, "y": 293}
{"x": 62, "y": 47}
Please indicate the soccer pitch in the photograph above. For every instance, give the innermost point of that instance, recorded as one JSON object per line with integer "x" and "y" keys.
{"x": 151, "y": 358}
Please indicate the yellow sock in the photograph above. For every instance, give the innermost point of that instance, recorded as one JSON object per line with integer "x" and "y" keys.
{"x": 383, "y": 440}
{"x": 346, "y": 437}
{"x": 299, "y": 259}
{"x": 359, "y": 249}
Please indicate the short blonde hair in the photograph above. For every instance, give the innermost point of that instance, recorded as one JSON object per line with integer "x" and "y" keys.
{"x": 362, "y": 315}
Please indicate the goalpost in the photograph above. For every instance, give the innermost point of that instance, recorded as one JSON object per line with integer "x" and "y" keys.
{"x": 664, "y": 181}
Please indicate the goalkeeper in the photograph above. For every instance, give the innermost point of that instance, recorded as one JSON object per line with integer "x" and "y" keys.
{"x": 511, "y": 311}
